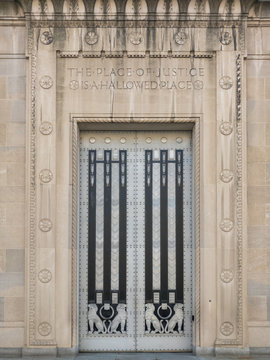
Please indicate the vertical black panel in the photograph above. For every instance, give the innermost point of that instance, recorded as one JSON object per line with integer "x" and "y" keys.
{"x": 91, "y": 225}
{"x": 148, "y": 227}
{"x": 179, "y": 228}
{"x": 122, "y": 226}
{"x": 164, "y": 225}
{"x": 107, "y": 225}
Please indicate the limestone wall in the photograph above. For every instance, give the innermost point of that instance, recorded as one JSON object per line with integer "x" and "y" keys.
{"x": 12, "y": 178}
{"x": 258, "y": 119}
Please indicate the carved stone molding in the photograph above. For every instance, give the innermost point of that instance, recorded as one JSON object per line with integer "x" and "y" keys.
{"x": 180, "y": 37}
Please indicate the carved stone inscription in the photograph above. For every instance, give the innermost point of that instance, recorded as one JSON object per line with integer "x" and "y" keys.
{"x": 134, "y": 74}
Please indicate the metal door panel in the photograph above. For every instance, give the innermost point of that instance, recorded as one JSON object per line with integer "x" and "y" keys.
{"x": 151, "y": 192}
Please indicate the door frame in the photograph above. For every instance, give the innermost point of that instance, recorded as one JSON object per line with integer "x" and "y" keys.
{"x": 81, "y": 122}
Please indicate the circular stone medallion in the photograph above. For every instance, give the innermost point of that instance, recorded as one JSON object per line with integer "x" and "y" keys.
{"x": 226, "y": 128}
{"x": 225, "y": 38}
{"x": 226, "y": 175}
{"x": 181, "y": 37}
{"x": 226, "y": 276}
{"x": 225, "y": 82}
{"x": 92, "y": 140}
{"x": 135, "y": 38}
{"x": 91, "y": 38}
{"x": 226, "y": 328}
{"x": 45, "y": 276}
{"x": 46, "y": 38}
{"x": 123, "y": 140}
{"x": 148, "y": 140}
{"x": 46, "y": 175}
{"x": 46, "y": 82}
{"x": 74, "y": 84}
{"x": 46, "y": 128}
{"x": 226, "y": 225}
{"x": 163, "y": 140}
{"x": 45, "y": 225}
{"x": 44, "y": 328}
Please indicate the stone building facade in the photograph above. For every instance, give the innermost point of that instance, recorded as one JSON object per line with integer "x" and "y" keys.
{"x": 186, "y": 76}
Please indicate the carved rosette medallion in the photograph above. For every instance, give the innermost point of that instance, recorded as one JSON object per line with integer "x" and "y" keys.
{"x": 46, "y": 38}
{"x": 46, "y": 128}
{"x": 45, "y": 225}
{"x": 46, "y": 175}
{"x": 44, "y": 328}
{"x": 226, "y": 328}
{"x": 135, "y": 38}
{"x": 46, "y": 82}
{"x": 45, "y": 276}
{"x": 74, "y": 84}
{"x": 225, "y": 82}
{"x": 226, "y": 276}
{"x": 181, "y": 37}
{"x": 226, "y": 175}
{"x": 226, "y": 225}
{"x": 226, "y": 128}
{"x": 225, "y": 38}
{"x": 198, "y": 85}
{"x": 91, "y": 38}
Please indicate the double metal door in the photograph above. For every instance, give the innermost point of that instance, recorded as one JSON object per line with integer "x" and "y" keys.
{"x": 135, "y": 245}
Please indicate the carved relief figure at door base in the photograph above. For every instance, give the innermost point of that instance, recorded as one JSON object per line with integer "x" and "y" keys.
{"x": 101, "y": 323}
{"x": 156, "y": 323}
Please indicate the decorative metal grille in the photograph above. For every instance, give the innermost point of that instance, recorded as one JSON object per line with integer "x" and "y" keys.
{"x": 135, "y": 241}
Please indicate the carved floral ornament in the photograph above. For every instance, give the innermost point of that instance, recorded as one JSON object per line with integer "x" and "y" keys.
{"x": 45, "y": 276}
{"x": 226, "y": 276}
{"x": 46, "y": 128}
{"x": 225, "y": 37}
{"x": 136, "y": 38}
{"x": 45, "y": 175}
{"x": 226, "y": 328}
{"x": 45, "y": 225}
{"x": 46, "y": 37}
{"x": 226, "y": 225}
{"x": 225, "y": 82}
{"x": 44, "y": 328}
{"x": 226, "y": 128}
{"x": 226, "y": 175}
{"x": 91, "y": 38}
{"x": 46, "y": 82}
